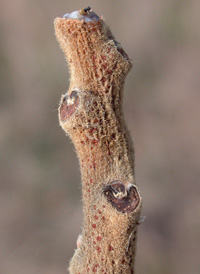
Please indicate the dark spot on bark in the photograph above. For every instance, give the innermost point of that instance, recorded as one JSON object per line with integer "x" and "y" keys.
{"x": 121, "y": 198}
{"x": 69, "y": 105}
{"x": 110, "y": 248}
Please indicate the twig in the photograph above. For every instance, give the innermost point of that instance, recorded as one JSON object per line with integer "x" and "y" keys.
{"x": 91, "y": 114}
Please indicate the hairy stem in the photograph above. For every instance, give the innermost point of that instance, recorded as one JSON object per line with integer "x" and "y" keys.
{"x": 91, "y": 114}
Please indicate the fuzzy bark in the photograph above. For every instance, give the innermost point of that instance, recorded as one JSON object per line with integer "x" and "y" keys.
{"x": 91, "y": 114}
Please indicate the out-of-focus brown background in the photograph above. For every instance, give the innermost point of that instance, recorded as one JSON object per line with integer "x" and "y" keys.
{"x": 40, "y": 192}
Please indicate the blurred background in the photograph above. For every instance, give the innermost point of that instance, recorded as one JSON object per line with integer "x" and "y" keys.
{"x": 40, "y": 190}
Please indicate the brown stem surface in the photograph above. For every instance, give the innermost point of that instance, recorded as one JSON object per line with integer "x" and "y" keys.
{"x": 91, "y": 114}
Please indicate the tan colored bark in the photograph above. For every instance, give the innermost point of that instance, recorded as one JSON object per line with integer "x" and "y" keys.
{"x": 91, "y": 114}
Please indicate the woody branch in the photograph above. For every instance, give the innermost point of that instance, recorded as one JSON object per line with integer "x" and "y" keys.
{"x": 91, "y": 114}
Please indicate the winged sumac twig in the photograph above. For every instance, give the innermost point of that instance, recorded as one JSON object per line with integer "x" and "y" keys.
{"x": 91, "y": 114}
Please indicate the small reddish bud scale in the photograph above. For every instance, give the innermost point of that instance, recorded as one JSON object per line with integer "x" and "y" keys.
{"x": 69, "y": 106}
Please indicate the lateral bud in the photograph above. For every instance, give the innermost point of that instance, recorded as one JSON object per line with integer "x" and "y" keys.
{"x": 124, "y": 199}
{"x": 69, "y": 105}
